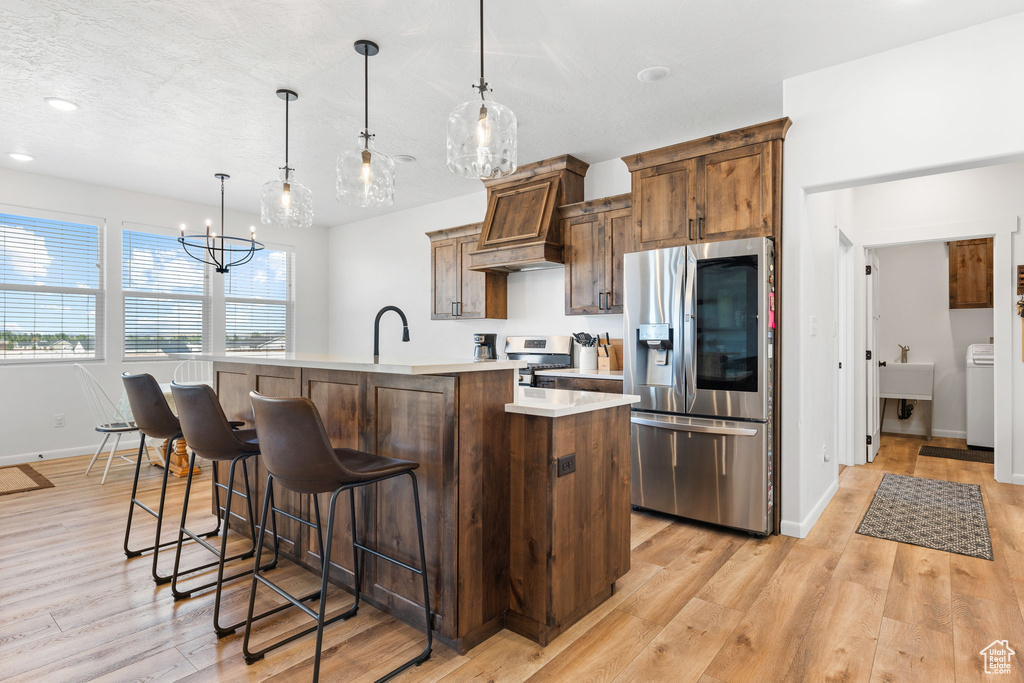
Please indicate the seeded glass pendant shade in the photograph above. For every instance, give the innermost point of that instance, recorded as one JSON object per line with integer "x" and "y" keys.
{"x": 482, "y": 133}
{"x": 366, "y": 177}
{"x": 284, "y": 202}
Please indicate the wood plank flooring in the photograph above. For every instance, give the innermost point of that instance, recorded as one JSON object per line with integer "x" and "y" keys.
{"x": 699, "y": 604}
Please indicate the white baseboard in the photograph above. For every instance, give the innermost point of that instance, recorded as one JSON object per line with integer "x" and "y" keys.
{"x": 18, "y": 459}
{"x": 802, "y": 528}
{"x": 947, "y": 433}
{"x": 1017, "y": 479}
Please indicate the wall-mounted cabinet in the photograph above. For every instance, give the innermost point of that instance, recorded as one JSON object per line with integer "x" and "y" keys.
{"x": 970, "y": 273}
{"x": 596, "y": 235}
{"x": 723, "y": 187}
{"x": 459, "y": 293}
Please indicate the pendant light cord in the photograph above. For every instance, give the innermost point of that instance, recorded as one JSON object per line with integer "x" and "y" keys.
{"x": 366, "y": 99}
{"x": 287, "y": 101}
{"x": 482, "y": 87}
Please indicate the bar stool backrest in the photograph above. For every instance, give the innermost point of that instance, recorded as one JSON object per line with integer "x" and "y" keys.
{"x": 194, "y": 372}
{"x": 205, "y": 427}
{"x": 152, "y": 415}
{"x": 105, "y": 414}
{"x": 294, "y": 445}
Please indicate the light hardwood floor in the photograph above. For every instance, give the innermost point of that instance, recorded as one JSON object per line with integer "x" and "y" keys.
{"x": 699, "y": 604}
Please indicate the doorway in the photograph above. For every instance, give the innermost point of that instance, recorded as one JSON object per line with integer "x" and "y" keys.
{"x": 918, "y": 341}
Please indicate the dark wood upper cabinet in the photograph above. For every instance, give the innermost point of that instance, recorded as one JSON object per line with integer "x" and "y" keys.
{"x": 970, "y": 273}
{"x": 521, "y": 228}
{"x": 722, "y": 187}
{"x": 596, "y": 234}
{"x": 458, "y": 292}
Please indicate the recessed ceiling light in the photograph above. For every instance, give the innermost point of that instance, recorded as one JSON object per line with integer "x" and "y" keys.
{"x": 18, "y": 156}
{"x": 404, "y": 158}
{"x": 60, "y": 103}
{"x": 654, "y": 73}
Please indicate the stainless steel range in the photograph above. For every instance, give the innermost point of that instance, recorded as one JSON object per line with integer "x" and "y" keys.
{"x": 540, "y": 352}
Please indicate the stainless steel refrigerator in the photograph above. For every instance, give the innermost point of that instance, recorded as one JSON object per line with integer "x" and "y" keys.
{"x": 699, "y": 351}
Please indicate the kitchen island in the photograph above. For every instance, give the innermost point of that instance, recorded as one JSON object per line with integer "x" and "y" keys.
{"x": 451, "y": 417}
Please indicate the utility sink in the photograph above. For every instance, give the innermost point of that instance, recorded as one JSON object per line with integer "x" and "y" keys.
{"x": 907, "y": 380}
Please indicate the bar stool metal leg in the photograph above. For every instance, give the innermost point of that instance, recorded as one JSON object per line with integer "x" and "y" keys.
{"x": 222, "y": 556}
{"x": 252, "y": 657}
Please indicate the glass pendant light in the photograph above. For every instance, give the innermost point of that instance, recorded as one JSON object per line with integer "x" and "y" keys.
{"x": 284, "y": 202}
{"x": 366, "y": 177}
{"x": 482, "y": 135}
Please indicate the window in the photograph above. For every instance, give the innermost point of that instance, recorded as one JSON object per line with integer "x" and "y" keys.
{"x": 259, "y": 304}
{"x": 165, "y": 299}
{"x": 51, "y": 296}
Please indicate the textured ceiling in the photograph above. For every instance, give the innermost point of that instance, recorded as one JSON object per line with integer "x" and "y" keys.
{"x": 175, "y": 90}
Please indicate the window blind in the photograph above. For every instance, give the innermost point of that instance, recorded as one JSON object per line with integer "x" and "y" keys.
{"x": 165, "y": 298}
{"x": 51, "y": 298}
{"x": 259, "y": 305}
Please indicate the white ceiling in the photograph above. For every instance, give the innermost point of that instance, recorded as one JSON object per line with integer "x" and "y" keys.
{"x": 173, "y": 91}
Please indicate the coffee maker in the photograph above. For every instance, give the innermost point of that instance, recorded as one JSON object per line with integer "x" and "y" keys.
{"x": 485, "y": 347}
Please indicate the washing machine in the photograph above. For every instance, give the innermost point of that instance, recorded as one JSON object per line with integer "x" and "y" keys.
{"x": 981, "y": 431}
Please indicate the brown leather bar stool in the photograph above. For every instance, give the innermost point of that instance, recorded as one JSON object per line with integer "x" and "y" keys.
{"x": 155, "y": 420}
{"x": 209, "y": 435}
{"x": 299, "y": 456}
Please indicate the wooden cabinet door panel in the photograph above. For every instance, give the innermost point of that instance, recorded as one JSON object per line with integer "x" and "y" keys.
{"x": 472, "y": 301}
{"x": 338, "y": 397}
{"x": 402, "y": 422}
{"x": 737, "y": 194}
{"x": 664, "y": 204}
{"x": 970, "y": 273}
{"x": 617, "y": 228}
{"x": 585, "y": 265}
{"x": 608, "y": 386}
{"x": 444, "y": 255}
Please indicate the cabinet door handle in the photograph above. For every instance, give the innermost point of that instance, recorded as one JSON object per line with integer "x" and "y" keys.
{"x": 600, "y": 301}
{"x": 700, "y": 228}
{"x": 607, "y": 301}
{"x": 689, "y": 230}
{"x": 454, "y": 314}
{"x": 460, "y": 309}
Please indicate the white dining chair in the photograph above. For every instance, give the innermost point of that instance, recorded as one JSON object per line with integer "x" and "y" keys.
{"x": 194, "y": 372}
{"x": 108, "y": 418}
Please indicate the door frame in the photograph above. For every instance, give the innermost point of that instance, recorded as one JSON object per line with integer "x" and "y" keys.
{"x": 1002, "y": 230}
{"x": 845, "y": 365}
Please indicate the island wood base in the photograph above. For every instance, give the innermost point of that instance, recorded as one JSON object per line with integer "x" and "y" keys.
{"x": 456, "y": 427}
{"x": 569, "y": 534}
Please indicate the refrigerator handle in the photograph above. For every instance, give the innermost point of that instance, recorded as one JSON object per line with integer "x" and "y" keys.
{"x": 689, "y": 330}
{"x": 722, "y": 430}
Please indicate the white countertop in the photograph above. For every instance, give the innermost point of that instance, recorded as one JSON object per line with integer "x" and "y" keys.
{"x": 562, "y": 402}
{"x": 583, "y": 374}
{"x": 396, "y": 365}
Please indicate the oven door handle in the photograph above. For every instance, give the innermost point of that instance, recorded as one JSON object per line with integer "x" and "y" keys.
{"x": 692, "y": 427}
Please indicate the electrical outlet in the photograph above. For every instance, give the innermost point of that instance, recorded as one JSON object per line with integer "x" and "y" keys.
{"x": 58, "y": 420}
{"x": 566, "y": 464}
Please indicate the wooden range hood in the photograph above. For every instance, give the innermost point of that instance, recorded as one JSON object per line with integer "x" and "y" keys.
{"x": 522, "y": 230}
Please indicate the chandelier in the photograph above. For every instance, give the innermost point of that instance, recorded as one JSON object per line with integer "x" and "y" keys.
{"x": 220, "y": 251}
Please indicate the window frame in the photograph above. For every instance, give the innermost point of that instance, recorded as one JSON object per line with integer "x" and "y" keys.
{"x": 98, "y": 293}
{"x": 289, "y": 302}
{"x": 206, "y": 297}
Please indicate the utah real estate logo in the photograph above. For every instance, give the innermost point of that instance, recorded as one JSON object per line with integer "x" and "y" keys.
{"x": 997, "y": 657}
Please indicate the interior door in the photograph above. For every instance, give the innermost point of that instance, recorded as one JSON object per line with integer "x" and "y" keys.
{"x": 874, "y": 413}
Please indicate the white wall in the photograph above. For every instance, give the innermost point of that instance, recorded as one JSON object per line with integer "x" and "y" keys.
{"x": 934, "y": 106}
{"x": 31, "y": 394}
{"x": 386, "y": 260}
{"x": 913, "y": 283}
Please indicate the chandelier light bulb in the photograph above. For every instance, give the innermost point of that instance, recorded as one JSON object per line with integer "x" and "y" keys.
{"x": 483, "y": 128}
{"x": 286, "y": 196}
{"x": 366, "y": 171}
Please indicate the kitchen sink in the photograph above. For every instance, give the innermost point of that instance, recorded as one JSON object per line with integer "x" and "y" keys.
{"x": 906, "y": 380}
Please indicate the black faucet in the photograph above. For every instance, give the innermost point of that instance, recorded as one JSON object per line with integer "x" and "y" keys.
{"x": 376, "y": 328}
